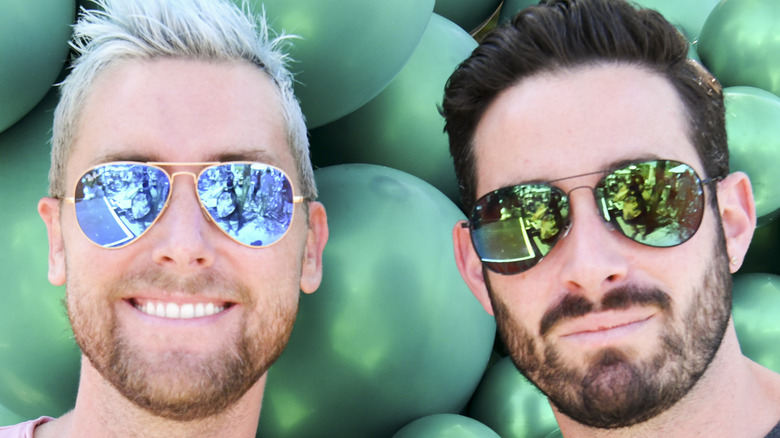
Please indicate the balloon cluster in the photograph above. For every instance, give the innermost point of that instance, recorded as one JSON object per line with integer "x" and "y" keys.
{"x": 392, "y": 343}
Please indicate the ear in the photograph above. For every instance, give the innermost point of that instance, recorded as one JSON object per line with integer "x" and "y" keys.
{"x": 49, "y": 209}
{"x": 469, "y": 265}
{"x": 317, "y": 236}
{"x": 738, "y": 215}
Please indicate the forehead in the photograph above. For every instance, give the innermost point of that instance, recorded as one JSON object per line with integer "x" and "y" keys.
{"x": 180, "y": 111}
{"x": 576, "y": 121}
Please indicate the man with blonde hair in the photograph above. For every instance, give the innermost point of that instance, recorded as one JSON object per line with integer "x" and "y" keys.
{"x": 180, "y": 297}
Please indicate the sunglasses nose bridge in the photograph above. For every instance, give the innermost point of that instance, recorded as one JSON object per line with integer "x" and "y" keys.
{"x": 181, "y": 172}
{"x": 194, "y": 176}
{"x": 568, "y": 194}
{"x": 601, "y": 210}
{"x": 173, "y": 176}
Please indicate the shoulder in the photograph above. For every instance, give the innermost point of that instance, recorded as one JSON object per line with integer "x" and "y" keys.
{"x": 769, "y": 381}
{"x": 22, "y": 430}
{"x": 774, "y": 433}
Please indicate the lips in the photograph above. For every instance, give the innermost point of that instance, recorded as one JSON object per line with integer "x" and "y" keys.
{"x": 172, "y": 310}
{"x": 604, "y": 323}
{"x": 603, "y": 328}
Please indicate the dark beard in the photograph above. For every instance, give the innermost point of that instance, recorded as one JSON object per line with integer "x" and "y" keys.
{"x": 611, "y": 391}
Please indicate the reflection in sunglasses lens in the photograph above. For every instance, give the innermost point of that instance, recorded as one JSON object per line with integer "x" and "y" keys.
{"x": 251, "y": 202}
{"x": 658, "y": 203}
{"x": 514, "y": 227}
{"x": 116, "y": 203}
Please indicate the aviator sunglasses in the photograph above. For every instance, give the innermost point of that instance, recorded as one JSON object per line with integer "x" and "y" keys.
{"x": 116, "y": 203}
{"x": 657, "y": 203}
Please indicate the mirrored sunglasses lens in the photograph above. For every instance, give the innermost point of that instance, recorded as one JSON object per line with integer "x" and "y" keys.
{"x": 116, "y": 203}
{"x": 657, "y": 203}
{"x": 251, "y": 202}
{"x": 513, "y": 228}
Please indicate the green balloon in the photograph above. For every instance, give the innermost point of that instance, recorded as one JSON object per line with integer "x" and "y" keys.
{"x": 39, "y": 362}
{"x": 348, "y": 50}
{"x": 511, "y": 7}
{"x": 511, "y": 405}
{"x": 756, "y": 307}
{"x": 402, "y": 128}
{"x": 693, "y": 54}
{"x": 740, "y": 43}
{"x": 88, "y": 4}
{"x": 753, "y": 128}
{"x": 763, "y": 256}
{"x": 8, "y": 418}
{"x": 445, "y": 426}
{"x": 33, "y": 49}
{"x": 689, "y": 15}
{"x": 392, "y": 334}
{"x": 468, "y": 14}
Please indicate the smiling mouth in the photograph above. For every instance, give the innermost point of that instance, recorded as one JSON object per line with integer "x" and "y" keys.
{"x": 170, "y": 310}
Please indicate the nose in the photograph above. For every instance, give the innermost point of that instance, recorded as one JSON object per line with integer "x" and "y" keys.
{"x": 182, "y": 235}
{"x": 595, "y": 259}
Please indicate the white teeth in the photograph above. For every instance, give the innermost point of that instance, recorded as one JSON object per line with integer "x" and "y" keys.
{"x": 172, "y": 311}
{"x": 176, "y": 311}
{"x": 187, "y": 311}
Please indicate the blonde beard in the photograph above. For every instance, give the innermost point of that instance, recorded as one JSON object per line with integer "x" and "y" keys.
{"x": 179, "y": 385}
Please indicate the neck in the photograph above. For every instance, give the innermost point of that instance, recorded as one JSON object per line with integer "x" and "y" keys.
{"x": 734, "y": 397}
{"x": 101, "y": 411}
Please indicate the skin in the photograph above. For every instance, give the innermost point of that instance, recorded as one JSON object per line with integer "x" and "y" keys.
{"x": 179, "y": 111}
{"x": 613, "y": 113}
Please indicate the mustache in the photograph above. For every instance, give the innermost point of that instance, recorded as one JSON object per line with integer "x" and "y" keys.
{"x": 206, "y": 283}
{"x": 574, "y": 306}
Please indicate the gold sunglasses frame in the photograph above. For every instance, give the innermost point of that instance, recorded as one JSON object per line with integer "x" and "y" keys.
{"x": 161, "y": 165}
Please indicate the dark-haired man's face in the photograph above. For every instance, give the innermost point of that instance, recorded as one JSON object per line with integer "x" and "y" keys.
{"x": 614, "y": 332}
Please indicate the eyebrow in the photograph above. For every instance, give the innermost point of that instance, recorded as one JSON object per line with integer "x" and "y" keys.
{"x": 109, "y": 158}
{"x": 626, "y": 161}
{"x": 260, "y": 155}
{"x": 256, "y": 155}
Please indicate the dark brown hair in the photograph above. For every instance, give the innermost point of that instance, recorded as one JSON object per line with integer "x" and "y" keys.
{"x": 565, "y": 34}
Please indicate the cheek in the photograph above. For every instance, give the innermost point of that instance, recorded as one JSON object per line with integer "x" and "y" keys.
{"x": 90, "y": 262}
{"x": 89, "y": 275}
{"x": 525, "y": 298}
{"x": 680, "y": 266}
{"x": 71, "y": 233}
{"x": 79, "y": 249}
{"x": 89, "y": 310}
{"x": 273, "y": 274}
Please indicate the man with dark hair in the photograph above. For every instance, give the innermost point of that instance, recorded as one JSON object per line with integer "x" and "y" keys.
{"x": 621, "y": 314}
